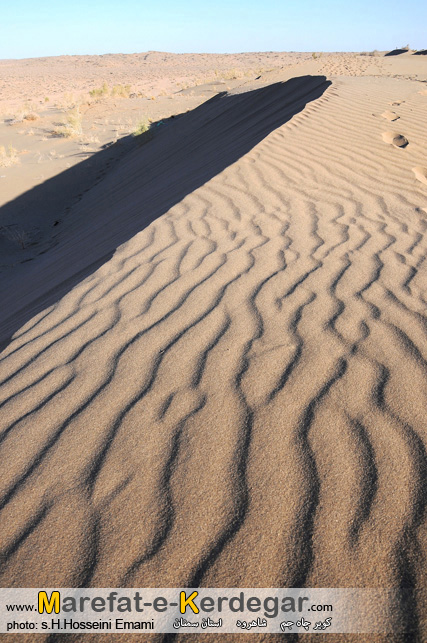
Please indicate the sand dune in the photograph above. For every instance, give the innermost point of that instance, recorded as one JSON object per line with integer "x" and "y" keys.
{"x": 236, "y": 396}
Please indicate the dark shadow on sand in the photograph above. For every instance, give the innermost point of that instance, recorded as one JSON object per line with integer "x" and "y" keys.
{"x": 396, "y": 52}
{"x": 147, "y": 181}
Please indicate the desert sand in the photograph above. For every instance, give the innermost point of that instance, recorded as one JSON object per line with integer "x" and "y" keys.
{"x": 214, "y": 338}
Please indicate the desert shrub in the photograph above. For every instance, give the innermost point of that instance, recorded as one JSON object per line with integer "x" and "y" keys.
{"x": 25, "y": 113}
{"x": 232, "y": 74}
{"x": 68, "y": 101}
{"x": 122, "y": 91}
{"x": 8, "y": 156}
{"x": 142, "y": 128}
{"x": 72, "y": 128}
{"x": 99, "y": 92}
{"x": 143, "y": 131}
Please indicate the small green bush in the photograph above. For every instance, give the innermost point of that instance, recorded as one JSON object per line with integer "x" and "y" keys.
{"x": 143, "y": 131}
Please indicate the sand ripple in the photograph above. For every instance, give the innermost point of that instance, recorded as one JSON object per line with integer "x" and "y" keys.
{"x": 237, "y": 397}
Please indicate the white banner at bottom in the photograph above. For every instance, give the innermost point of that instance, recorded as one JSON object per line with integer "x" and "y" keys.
{"x": 204, "y": 610}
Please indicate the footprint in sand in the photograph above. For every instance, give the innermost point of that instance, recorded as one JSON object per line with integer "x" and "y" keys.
{"x": 420, "y": 173}
{"x": 394, "y": 103}
{"x": 393, "y": 138}
{"x": 390, "y": 116}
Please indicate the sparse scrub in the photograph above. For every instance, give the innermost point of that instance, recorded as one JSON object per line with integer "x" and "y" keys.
{"x": 143, "y": 131}
{"x": 73, "y": 126}
{"x": 142, "y": 127}
{"x": 315, "y": 55}
{"x": 89, "y": 140}
{"x": 69, "y": 101}
{"x": 122, "y": 91}
{"x": 100, "y": 92}
{"x": 228, "y": 74}
{"x": 31, "y": 116}
{"x": 232, "y": 74}
{"x": 26, "y": 113}
{"x": 263, "y": 70}
{"x": 8, "y": 156}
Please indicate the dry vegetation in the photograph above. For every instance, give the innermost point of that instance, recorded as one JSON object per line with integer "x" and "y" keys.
{"x": 26, "y": 113}
{"x": 117, "y": 91}
{"x": 72, "y": 128}
{"x": 143, "y": 130}
{"x": 8, "y": 156}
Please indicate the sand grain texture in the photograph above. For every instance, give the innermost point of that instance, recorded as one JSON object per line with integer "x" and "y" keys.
{"x": 236, "y": 396}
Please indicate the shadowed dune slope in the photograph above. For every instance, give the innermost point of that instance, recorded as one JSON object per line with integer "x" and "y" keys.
{"x": 182, "y": 156}
{"x": 397, "y": 52}
{"x": 237, "y": 397}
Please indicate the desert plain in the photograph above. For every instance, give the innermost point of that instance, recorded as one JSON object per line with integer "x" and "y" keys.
{"x": 213, "y": 295}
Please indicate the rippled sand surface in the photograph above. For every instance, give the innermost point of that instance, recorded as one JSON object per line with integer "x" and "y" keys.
{"x": 216, "y": 376}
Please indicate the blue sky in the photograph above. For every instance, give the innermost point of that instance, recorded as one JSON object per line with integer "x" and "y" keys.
{"x": 31, "y": 28}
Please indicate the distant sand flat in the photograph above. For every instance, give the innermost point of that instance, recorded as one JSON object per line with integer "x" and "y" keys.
{"x": 217, "y": 376}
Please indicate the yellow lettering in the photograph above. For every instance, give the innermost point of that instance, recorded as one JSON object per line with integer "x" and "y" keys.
{"x": 49, "y": 604}
{"x": 188, "y": 601}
